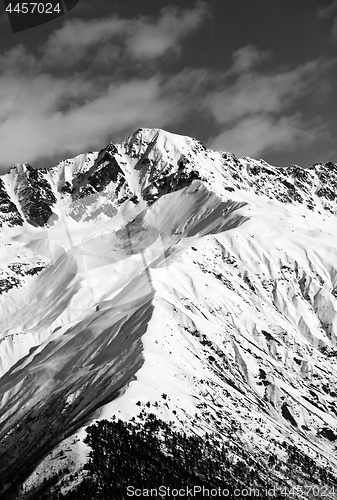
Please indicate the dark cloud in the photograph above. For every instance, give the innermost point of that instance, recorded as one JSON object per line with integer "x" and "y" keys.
{"x": 142, "y": 38}
{"x": 47, "y": 110}
{"x": 328, "y": 11}
{"x": 253, "y": 110}
{"x": 256, "y": 135}
{"x": 246, "y": 58}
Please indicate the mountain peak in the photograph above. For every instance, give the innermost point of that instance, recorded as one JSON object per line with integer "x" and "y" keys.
{"x": 153, "y": 162}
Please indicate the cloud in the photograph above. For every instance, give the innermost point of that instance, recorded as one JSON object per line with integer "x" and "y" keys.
{"x": 95, "y": 81}
{"x": 77, "y": 38}
{"x": 142, "y": 38}
{"x": 261, "y": 92}
{"x": 41, "y": 132}
{"x": 49, "y": 108}
{"x": 329, "y": 12}
{"x": 259, "y": 134}
{"x": 256, "y": 111}
{"x": 42, "y": 94}
{"x": 326, "y": 12}
{"x": 247, "y": 58}
{"x": 151, "y": 40}
{"x": 17, "y": 60}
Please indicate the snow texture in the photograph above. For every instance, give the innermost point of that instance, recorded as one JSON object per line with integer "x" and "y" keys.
{"x": 159, "y": 274}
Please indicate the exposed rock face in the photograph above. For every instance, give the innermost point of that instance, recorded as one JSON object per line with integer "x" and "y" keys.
{"x": 8, "y": 210}
{"x": 35, "y": 196}
{"x": 157, "y": 266}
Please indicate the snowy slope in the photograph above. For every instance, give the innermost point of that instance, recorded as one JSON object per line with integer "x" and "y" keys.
{"x": 157, "y": 274}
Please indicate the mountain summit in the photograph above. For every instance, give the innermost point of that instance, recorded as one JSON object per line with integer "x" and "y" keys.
{"x": 159, "y": 276}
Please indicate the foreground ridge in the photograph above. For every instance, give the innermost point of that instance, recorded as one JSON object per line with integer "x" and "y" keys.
{"x": 158, "y": 276}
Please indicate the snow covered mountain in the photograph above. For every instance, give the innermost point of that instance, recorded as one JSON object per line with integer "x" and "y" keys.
{"x": 159, "y": 275}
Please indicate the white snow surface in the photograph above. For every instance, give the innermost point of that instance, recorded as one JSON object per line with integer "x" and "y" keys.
{"x": 214, "y": 292}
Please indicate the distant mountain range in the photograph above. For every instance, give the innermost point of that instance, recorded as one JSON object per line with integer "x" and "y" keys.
{"x": 158, "y": 276}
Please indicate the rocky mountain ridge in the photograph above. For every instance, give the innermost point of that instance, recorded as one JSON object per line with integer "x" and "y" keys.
{"x": 29, "y": 194}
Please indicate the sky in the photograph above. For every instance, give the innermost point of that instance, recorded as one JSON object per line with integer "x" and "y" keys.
{"x": 252, "y": 77}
